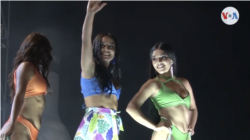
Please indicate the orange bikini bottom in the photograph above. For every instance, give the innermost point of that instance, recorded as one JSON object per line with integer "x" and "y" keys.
{"x": 32, "y": 130}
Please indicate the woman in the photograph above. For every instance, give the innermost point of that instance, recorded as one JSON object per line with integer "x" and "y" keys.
{"x": 28, "y": 88}
{"x": 100, "y": 82}
{"x": 172, "y": 96}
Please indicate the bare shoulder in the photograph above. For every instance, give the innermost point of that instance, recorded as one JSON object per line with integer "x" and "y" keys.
{"x": 26, "y": 65}
{"x": 152, "y": 85}
{"x": 147, "y": 90}
{"x": 183, "y": 80}
{"x": 26, "y": 68}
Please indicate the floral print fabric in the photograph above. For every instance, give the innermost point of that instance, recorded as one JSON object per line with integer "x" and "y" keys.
{"x": 99, "y": 124}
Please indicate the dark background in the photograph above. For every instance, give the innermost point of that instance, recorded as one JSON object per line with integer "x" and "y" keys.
{"x": 213, "y": 56}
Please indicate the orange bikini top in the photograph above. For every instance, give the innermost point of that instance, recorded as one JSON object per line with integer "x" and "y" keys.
{"x": 36, "y": 86}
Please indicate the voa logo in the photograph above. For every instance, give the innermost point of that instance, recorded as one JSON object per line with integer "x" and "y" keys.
{"x": 230, "y": 15}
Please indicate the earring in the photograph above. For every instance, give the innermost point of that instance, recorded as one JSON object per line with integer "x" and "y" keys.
{"x": 172, "y": 70}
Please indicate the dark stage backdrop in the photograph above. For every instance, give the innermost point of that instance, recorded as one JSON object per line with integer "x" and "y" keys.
{"x": 213, "y": 56}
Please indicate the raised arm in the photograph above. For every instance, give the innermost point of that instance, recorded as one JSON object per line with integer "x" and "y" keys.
{"x": 24, "y": 73}
{"x": 87, "y": 63}
{"x": 149, "y": 89}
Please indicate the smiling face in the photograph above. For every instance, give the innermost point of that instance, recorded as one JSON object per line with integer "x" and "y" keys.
{"x": 161, "y": 61}
{"x": 107, "y": 48}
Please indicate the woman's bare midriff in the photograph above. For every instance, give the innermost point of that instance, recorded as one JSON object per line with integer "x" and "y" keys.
{"x": 102, "y": 101}
{"x": 178, "y": 115}
{"x": 32, "y": 109}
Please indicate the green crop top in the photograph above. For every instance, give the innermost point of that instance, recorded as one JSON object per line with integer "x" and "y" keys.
{"x": 167, "y": 97}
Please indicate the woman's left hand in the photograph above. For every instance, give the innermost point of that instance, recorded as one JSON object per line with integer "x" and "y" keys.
{"x": 190, "y": 129}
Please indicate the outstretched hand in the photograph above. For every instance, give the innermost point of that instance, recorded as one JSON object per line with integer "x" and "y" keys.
{"x": 95, "y": 6}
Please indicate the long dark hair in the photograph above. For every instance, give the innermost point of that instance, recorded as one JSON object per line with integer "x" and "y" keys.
{"x": 153, "y": 73}
{"x": 35, "y": 49}
{"x": 103, "y": 74}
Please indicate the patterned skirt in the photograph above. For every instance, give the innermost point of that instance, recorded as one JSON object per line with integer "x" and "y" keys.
{"x": 99, "y": 124}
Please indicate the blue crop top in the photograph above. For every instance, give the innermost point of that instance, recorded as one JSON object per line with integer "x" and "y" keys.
{"x": 90, "y": 87}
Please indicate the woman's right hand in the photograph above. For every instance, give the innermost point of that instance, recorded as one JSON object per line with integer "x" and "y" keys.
{"x": 7, "y": 130}
{"x": 95, "y": 6}
{"x": 164, "y": 125}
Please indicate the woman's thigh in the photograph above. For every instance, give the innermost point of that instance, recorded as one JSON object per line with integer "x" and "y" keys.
{"x": 21, "y": 132}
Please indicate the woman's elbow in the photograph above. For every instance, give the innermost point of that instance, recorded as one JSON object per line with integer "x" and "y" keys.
{"x": 129, "y": 108}
{"x": 19, "y": 98}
